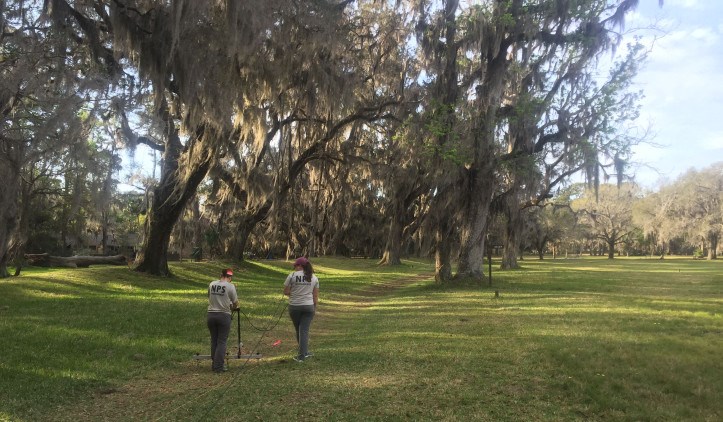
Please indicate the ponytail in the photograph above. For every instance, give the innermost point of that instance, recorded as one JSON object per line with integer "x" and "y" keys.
{"x": 308, "y": 271}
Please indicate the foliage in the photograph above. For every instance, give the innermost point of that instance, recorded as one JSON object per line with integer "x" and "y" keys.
{"x": 695, "y": 206}
{"x": 50, "y": 97}
{"x": 556, "y": 225}
{"x": 312, "y": 127}
{"x": 608, "y": 213}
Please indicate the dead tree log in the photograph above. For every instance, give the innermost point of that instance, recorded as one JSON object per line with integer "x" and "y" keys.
{"x": 47, "y": 260}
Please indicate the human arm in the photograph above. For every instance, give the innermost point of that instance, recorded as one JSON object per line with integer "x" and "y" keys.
{"x": 287, "y": 286}
{"x": 233, "y": 297}
{"x": 315, "y": 295}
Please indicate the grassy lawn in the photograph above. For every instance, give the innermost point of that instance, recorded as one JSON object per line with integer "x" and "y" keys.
{"x": 579, "y": 339}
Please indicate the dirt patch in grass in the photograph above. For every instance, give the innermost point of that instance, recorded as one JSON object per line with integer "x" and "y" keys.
{"x": 160, "y": 395}
{"x": 366, "y": 296}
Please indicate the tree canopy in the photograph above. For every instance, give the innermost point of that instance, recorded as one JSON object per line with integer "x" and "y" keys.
{"x": 360, "y": 128}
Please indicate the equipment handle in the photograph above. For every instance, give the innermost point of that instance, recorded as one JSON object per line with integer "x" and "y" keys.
{"x": 238, "y": 331}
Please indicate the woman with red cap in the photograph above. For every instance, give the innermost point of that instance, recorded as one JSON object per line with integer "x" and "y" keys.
{"x": 222, "y": 300}
{"x": 302, "y": 287}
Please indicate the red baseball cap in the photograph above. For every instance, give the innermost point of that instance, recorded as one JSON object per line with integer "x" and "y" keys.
{"x": 228, "y": 272}
{"x": 301, "y": 261}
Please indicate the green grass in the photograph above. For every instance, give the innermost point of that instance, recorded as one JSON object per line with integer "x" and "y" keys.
{"x": 579, "y": 339}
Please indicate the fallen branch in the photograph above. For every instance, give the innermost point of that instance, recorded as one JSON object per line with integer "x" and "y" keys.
{"x": 47, "y": 260}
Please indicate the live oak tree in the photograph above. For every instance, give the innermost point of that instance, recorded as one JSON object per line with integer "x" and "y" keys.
{"x": 558, "y": 225}
{"x": 45, "y": 77}
{"x": 695, "y": 207}
{"x": 477, "y": 51}
{"x": 575, "y": 126}
{"x": 437, "y": 34}
{"x": 650, "y": 214}
{"x": 66, "y": 197}
{"x": 321, "y": 126}
{"x": 241, "y": 51}
{"x": 609, "y": 213}
{"x": 552, "y": 226}
{"x": 407, "y": 164}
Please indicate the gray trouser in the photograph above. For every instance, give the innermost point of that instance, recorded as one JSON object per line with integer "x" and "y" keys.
{"x": 301, "y": 316}
{"x": 219, "y": 325}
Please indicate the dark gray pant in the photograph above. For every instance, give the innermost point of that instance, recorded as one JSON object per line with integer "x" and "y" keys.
{"x": 219, "y": 325}
{"x": 301, "y": 316}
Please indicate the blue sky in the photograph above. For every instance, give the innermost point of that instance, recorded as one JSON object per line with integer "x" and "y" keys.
{"x": 683, "y": 85}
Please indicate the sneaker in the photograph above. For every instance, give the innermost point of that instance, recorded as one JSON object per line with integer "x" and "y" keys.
{"x": 219, "y": 371}
{"x": 308, "y": 355}
{"x": 299, "y": 359}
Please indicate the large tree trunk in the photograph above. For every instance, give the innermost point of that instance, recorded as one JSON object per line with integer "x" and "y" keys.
{"x": 11, "y": 156}
{"x": 176, "y": 188}
{"x": 447, "y": 93}
{"x": 169, "y": 200}
{"x": 513, "y": 229}
{"x": 243, "y": 232}
{"x": 22, "y": 233}
{"x": 611, "y": 248}
{"x": 104, "y": 233}
{"x": 198, "y": 231}
{"x": 443, "y": 252}
{"x": 8, "y": 212}
{"x": 713, "y": 245}
{"x": 106, "y": 198}
{"x": 472, "y": 244}
{"x": 184, "y": 168}
{"x": 393, "y": 248}
{"x": 474, "y": 226}
{"x": 73, "y": 190}
{"x": 541, "y": 248}
{"x": 443, "y": 223}
{"x": 407, "y": 190}
{"x": 153, "y": 256}
{"x": 247, "y": 225}
{"x": 480, "y": 177}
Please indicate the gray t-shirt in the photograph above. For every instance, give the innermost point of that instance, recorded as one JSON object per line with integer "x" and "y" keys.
{"x": 301, "y": 288}
{"x": 221, "y": 295}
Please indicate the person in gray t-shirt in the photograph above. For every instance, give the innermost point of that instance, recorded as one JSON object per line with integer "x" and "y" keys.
{"x": 222, "y": 301}
{"x": 302, "y": 287}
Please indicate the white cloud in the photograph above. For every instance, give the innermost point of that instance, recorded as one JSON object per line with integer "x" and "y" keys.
{"x": 713, "y": 143}
{"x": 685, "y": 4}
{"x": 708, "y": 36}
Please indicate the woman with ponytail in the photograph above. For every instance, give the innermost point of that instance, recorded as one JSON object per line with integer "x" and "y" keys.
{"x": 302, "y": 287}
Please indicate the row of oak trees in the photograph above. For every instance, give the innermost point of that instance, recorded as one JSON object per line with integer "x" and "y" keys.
{"x": 441, "y": 114}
